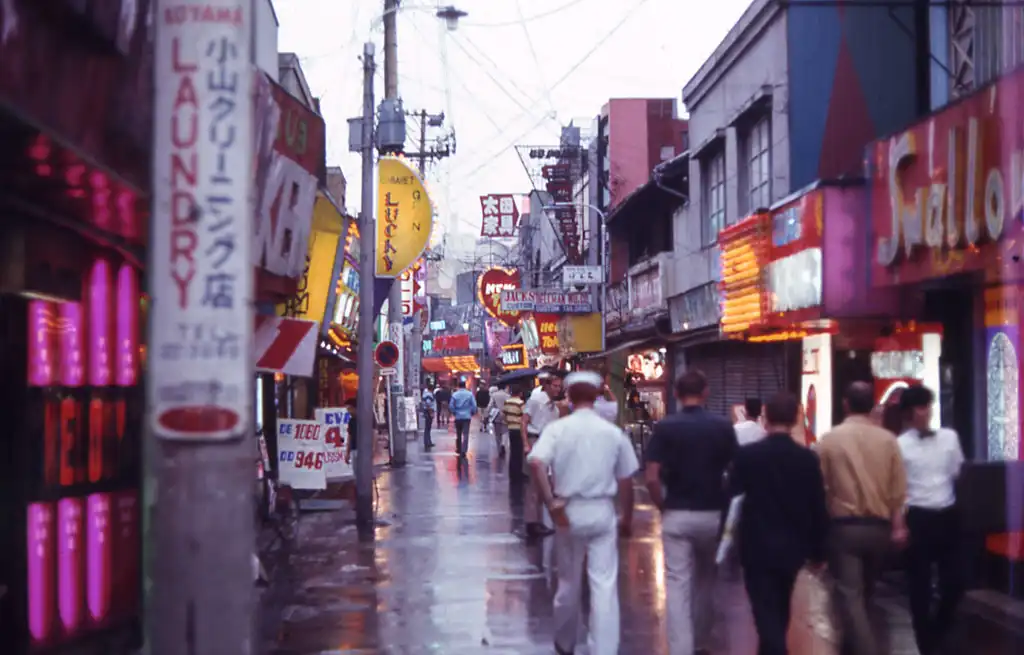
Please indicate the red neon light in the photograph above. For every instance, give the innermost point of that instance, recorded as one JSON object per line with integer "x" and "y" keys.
{"x": 100, "y": 336}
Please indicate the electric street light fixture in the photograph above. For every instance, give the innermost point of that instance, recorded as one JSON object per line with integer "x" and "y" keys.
{"x": 451, "y": 16}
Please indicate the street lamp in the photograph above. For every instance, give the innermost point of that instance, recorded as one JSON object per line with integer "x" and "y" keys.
{"x": 451, "y": 17}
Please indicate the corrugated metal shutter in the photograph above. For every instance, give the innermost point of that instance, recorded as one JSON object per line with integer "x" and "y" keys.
{"x": 739, "y": 370}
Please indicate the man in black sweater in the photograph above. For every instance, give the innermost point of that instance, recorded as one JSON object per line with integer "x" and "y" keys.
{"x": 784, "y": 520}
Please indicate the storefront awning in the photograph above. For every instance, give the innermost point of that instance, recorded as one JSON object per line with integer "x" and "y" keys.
{"x": 285, "y": 345}
{"x": 622, "y": 347}
{"x": 465, "y": 364}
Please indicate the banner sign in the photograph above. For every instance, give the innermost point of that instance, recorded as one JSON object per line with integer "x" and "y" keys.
{"x": 491, "y": 285}
{"x": 547, "y": 302}
{"x": 301, "y": 459}
{"x": 334, "y": 425}
{"x": 406, "y": 218}
{"x": 201, "y": 268}
{"x": 451, "y": 342}
{"x": 513, "y": 357}
{"x": 500, "y": 216}
{"x": 547, "y": 330}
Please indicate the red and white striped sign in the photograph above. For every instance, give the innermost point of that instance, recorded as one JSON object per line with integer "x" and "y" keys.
{"x": 286, "y": 345}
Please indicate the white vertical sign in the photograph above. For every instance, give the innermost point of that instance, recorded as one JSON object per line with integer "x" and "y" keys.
{"x": 397, "y": 335}
{"x": 201, "y": 271}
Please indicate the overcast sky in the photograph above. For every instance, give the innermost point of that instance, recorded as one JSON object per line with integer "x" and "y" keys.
{"x": 514, "y": 72}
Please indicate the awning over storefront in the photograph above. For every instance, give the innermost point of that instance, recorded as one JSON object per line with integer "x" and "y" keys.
{"x": 464, "y": 364}
{"x": 622, "y": 347}
{"x": 285, "y": 345}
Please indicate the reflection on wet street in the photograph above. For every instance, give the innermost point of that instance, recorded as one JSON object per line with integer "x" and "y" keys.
{"x": 450, "y": 573}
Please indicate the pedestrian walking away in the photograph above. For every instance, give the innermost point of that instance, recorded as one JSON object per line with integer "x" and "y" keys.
{"x": 750, "y": 429}
{"x": 865, "y": 491}
{"x": 512, "y": 411}
{"x": 429, "y": 404}
{"x": 688, "y": 456}
{"x": 784, "y": 521}
{"x": 496, "y": 415}
{"x": 483, "y": 401}
{"x": 442, "y": 397}
{"x": 463, "y": 408}
{"x": 933, "y": 459}
{"x": 592, "y": 463}
{"x": 540, "y": 410}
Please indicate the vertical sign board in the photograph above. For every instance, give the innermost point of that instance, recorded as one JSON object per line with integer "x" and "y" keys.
{"x": 301, "y": 458}
{"x": 201, "y": 270}
{"x": 334, "y": 426}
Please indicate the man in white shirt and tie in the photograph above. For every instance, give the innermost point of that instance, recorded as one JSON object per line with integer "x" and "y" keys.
{"x": 932, "y": 459}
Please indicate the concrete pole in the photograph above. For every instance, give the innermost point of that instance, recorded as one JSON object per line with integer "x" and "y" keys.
{"x": 395, "y": 332}
{"x": 367, "y": 257}
{"x": 198, "y": 494}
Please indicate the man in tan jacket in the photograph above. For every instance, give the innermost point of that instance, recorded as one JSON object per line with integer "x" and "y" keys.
{"x": 866, "y": 489}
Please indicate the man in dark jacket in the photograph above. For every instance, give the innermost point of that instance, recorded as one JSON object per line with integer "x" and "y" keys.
{"x": 784, "y": 520}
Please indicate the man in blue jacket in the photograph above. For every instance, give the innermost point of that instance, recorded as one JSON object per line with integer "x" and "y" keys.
{"x": 463, "y": 408}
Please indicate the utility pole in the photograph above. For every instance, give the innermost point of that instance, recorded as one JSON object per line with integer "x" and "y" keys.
{"x": 367, "y": 259}
{"x": 200, "y": 447}
{"x": 399, "y": 441}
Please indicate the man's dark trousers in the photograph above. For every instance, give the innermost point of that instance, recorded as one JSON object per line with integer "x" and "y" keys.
{"x": 462, "y": 435}
{"x": 770, "y": 590}
{"x": 428, "y": 421}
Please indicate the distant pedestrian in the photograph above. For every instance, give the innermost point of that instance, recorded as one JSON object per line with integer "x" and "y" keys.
{"x": 541, "y": 409}
{"x": 512, "y": 411}
{"x": 496, "y": 416}
{"x": 933, "y": 459}
{"x": 429, "y": 407}
{"x": 750, "y": 429}
{"x": 443, "y": 396}
{"x": 592, "y": 463}
{"x": 784, "y": 521}
{"x": 463, "y": 408}
{"x": 689, "y": 453}
{"x": 352, "y": 442}
{"x": 483, "y": 400}
{"x": 865, "y": 489}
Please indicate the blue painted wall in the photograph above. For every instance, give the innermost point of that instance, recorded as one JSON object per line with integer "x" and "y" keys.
{"x": 851, "y": 81}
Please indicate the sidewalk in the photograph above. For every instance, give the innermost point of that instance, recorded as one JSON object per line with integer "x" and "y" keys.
{"x": 448, "y": 574}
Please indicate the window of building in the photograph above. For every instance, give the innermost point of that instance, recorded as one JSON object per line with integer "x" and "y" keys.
{"x": 714, "y": 198}
{"x": 759, "y": 172}
{"x": 985, "y": 42}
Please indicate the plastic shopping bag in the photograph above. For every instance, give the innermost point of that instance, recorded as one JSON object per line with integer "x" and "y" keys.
{"x": 813, "y": 613}
{"x": 732, "y": 521}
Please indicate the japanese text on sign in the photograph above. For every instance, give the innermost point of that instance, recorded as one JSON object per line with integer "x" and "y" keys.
{"x": 201, "y": 281}
{"x": 334, "y": 424}
{"x": 500, "y": 216}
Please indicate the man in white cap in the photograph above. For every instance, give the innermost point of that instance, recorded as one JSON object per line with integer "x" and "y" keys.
{"x": 592, "y": 462}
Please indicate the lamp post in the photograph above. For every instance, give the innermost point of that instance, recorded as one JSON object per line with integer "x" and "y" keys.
{"x": 595, "y": 256}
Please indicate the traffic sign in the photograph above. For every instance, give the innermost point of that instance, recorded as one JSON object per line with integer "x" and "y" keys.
{"x": 388, "y": 371}
{"x": 386, "y": 354}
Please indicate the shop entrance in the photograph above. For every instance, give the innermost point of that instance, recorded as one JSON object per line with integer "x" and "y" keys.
{"x": 953, "y": 307}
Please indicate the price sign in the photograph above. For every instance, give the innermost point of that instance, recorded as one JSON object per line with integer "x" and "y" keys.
{"x": 301, "y": 461}
{"x": 334, "y": 424}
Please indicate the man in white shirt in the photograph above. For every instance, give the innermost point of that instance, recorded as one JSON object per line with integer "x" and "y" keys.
{"x": 497, "y": 417}
{"x": 933, "y": 459}
{"x": 592, "y": 462}
{"x": 750, "y": 429}
{"x": 540, "y": 410}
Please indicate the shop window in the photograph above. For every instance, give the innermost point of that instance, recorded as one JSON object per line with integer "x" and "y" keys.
{"x": 713, "y": 207}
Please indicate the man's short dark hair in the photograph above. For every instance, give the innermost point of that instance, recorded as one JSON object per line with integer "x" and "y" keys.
{"x": 860, "y": 398}
{"x": 691, "y": 384}
{"x": 752, "y": 406}
{"x": 782, "y": 409}
{"x": 462, "y": 384}
{"x": 916, "y": 396}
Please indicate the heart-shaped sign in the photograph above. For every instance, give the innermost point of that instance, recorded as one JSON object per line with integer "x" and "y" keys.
{"x": 489, "y": 287}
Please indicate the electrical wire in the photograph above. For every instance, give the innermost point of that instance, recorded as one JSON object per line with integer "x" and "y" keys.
{"x": 533, "y": 53}
{"x": 488, "y": 73}
{"x": 523, "y": 21}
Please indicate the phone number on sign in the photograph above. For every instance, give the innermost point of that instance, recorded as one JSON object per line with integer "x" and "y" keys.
{"x": 304, "y": 460}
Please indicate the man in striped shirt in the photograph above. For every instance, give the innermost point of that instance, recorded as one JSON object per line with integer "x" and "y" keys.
{"x": 513, "y": 412}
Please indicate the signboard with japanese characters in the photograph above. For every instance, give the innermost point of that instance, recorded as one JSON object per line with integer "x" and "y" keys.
{"x": 513, "y": 357}
{"x": 500, "y": 216}
{"x": 334, "y": 426}
{"x": 547, "y": 330}
{"x": 301, "y": 461}
{"x": 406, "y": 218}
{"x": 573, "y": 275}
{"x": 201, "y": 265}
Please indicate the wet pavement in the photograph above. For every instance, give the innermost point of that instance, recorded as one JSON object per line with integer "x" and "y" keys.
{"x": 448, "y": 572}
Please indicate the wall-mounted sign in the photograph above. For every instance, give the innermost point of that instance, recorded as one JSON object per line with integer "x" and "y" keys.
{"x": 816, "y": 384}
{"x": 428, "y": 345}
{"x": 647, "y": 366}
{"x": 744, "y": 249}
{"x": 513, "y": 357}
{"x": 451, "y": 342}
{"x": 695, "y": 309}
{"x": 898, "y": 364}
{"x": 548, "y": 302}
{"x": 547, "y": 330}
{"x": 405, "y": 217}
{"x": 573, "y": 275}
{"x": 491, "y": 285}
{"x": 437, "y": 326}
{"x": 794, "y": 282}
{"x": 645, "y": 291}
{"x": 500, "y": 215}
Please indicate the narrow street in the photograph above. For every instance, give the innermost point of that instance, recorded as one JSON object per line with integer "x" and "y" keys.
{"x": 450, "y": 574}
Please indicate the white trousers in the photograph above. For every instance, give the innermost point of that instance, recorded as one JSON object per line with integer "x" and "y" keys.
{"x": 689, "y": 541}
{"x": 591, "y": 538}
